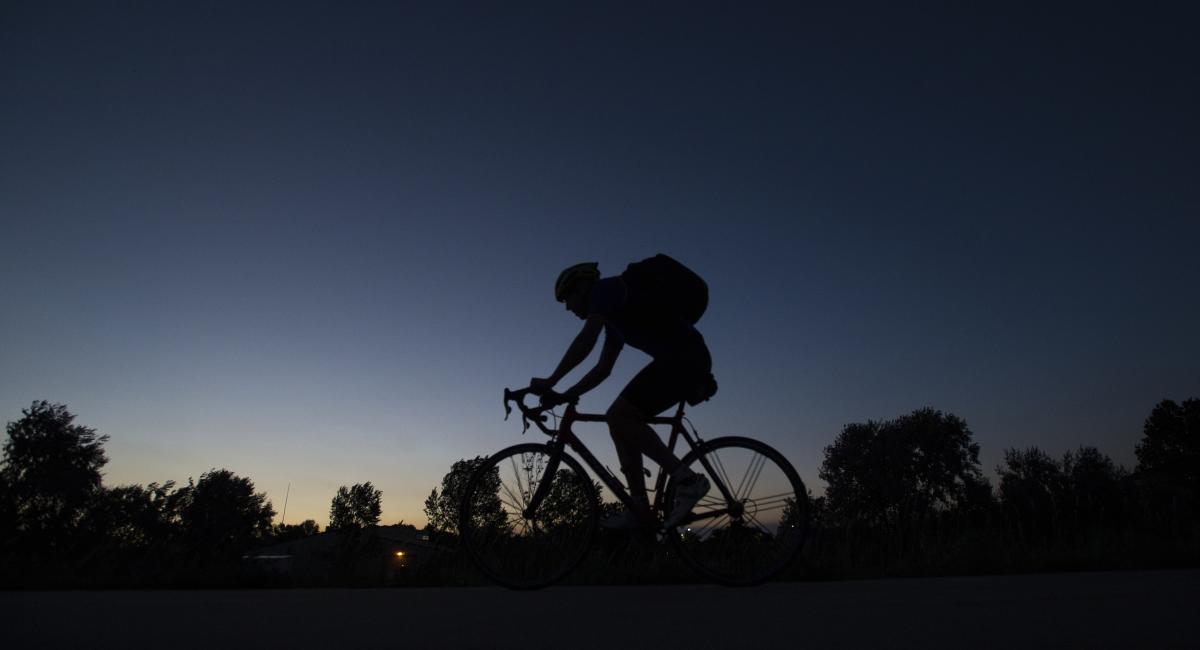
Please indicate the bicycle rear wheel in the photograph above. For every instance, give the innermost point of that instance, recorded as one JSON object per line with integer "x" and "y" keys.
{"x": 752, "y": 523}
{"x": 523, "y": 552}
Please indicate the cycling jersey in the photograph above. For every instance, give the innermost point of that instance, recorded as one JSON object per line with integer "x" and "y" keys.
{"x": 681, "y": 364}
{"x": 658, "y": 335}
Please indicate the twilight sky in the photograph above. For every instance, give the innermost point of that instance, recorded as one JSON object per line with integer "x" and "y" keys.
{"x": 311, "y": 242}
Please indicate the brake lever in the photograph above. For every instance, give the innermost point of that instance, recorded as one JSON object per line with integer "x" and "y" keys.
{"x": 508, "y": 397}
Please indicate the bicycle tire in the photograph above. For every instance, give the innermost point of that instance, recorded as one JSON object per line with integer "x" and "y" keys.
{"x": 711, "y": 547}
{"x": 524, "y": 553}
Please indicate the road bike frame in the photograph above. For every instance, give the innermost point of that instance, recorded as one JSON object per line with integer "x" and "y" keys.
{"x": 563, "y": 437}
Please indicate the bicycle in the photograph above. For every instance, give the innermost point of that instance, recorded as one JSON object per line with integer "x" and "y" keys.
{"x": 529, "y": 513}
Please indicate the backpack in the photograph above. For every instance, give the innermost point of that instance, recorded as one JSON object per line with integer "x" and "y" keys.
{"x": 661, "y": 285}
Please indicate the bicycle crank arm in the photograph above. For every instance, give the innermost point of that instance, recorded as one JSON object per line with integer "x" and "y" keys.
{"x": 710, "y": 514}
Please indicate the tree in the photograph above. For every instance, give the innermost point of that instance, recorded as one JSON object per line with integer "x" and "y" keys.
{"x": 1170, "y": 446}
{"x": 568, "y": 501}
{"x": 1095, "y": 485}
{"x": 289, "y": 532}
{"x": 8, "y": 513}
{"x": 1167, "y": 477}
{"x": 51, "y": 472}
{"x": 357, "y": 506}
{"x": 134, "y": 517}
{"x": 898, "y": 470}
{"x": 222, "y": 515}
{"x": 442, "y": 507}
{"x": 1030, "y": 471}
{"x": 1045, "y": 496}
{"x": 794, "y": 517}
{"x": 1032, "y": 485}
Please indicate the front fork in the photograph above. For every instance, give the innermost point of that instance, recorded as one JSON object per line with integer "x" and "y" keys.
{"x": 543, "y": 488}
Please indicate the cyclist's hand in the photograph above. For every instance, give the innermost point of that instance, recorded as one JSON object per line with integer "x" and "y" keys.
{"x": 551, "y": 398}
{"x": 540, "y": 385}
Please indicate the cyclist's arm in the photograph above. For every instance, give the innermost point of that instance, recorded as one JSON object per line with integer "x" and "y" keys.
{"x": 593, "y": 378}
{"x": 580, "y": 348}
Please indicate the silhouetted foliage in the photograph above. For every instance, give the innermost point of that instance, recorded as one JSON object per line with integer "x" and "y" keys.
{"x": 51, "y": 474}
{"x": 568, "y": 501}
{"x": 1170, "y": 445}
{"x": 1047, "y": 496}
{"x": 8, "y": 515}
{"x": 611, "y": 509}
{"x": 132, "y": 517}
{"x": 1167, "y": 477}
{"x": 357, "y": 506}
{"x": 793, "y": 517}
{"x": 442, "y": 507}
{"x": 222, "y": 515}
{"x": 289, "y": 532}
{"x": 884, "y": 473}
{"x": 1095, "y": 487}
{"x": 1031, "y": 485}
{"x": 905, "y": 498}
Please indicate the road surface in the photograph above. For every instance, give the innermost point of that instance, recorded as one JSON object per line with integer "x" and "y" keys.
{"x": 1118, "y": 609}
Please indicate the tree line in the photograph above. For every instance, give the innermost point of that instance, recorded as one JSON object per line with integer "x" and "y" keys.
{"x": 59, "y": 524}
{"x": 909, "y": 496}
{"x": 906, "y": 496}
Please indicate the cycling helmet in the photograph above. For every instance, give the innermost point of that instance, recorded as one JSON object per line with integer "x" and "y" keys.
{"x": 584, "y": 271}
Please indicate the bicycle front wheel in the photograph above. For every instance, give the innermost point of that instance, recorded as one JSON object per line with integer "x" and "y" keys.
{"x": 751, "y": 524}
{"x": 518, "y": 548}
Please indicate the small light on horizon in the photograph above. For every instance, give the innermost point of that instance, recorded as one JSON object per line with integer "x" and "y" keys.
{"x": 399, "y": 553}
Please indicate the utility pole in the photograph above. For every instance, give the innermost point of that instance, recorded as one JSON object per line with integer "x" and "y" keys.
{"x": 283, "y": 517}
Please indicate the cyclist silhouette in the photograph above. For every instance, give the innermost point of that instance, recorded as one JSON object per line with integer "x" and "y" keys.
{"x": 652, "y": 306}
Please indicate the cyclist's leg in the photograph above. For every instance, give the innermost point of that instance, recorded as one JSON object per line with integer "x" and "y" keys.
{"x": 653, "y": 390}
{"x": 659, "y": 386}
{"x": 631, "y": 466}
{"x": 627, "y": 425}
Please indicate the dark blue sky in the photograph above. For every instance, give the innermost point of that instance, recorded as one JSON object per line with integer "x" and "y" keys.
{"x": 311, "y": 242}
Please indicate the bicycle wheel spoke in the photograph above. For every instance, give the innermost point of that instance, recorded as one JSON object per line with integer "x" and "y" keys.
{"x": 760, "y": 509}
{"x": 738, "y": 546}
{"x": 517, "y": 477}
{"x": 533, "y": 467}
{"x": 751, "y": 477}
{"x": 514, "y": 506}
{"x": 512, "y": 496}
{"x": 737, "y": 494}
{"x": 710, "y": 529}
{"x": 521, "y": 551}
{"x": 782, "y": 496}
{"x": 698, "y": 518}
{"x": 778, "y": 504}
{"x": 758, "y": 524}
{"x": 757, "y": 474}
{"x": 720, "y": 467}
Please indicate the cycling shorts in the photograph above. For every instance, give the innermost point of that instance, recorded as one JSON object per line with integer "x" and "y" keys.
{"x": 665, "y": 382}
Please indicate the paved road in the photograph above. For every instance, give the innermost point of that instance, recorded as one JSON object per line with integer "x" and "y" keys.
{"x": 1119, "y": 609}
